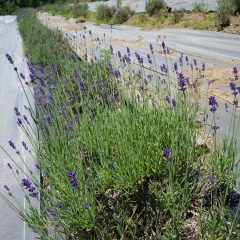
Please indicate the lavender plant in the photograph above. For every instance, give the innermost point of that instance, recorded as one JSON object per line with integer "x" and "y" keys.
{"x": 118, "y": 151}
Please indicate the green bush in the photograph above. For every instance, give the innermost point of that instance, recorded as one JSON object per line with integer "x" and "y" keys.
{"x": 229, "y": 7}
{"x": 122, "y": 14}
{"x": 104, "y": 12}
{"x": 80, "y": 10}
{"x": 115, "y": 15}
{"x": 154, "y": 6}
{"x": 7, "y": 7}
{"x": 226, "y": 8}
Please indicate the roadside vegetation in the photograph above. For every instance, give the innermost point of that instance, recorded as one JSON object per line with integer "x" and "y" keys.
{"x": 9, "y": 6}
{"x": 119, "y": 150}
{"x": 157, "y": 15}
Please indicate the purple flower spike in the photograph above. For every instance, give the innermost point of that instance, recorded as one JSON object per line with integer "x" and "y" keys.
{"x": 17, "y": 111}
{"x": 226, "y": 107}
{"x": 71, "y": 174}
{"x": 19, "y": 122}
{"x": 24, "y": 145}
{"x": 182, "y": 82}
{"x": 72, "y": 178}
{"x": 174, "y": 103}
{"x": 6, "y": 187}
{"x": 232, "y": 86}
{"x": 59, "y": 204}
{"x": 111, "y": 49}
{"x": 235, "y": 70}
{"x": 128, "y": 51}
{"x": 37, "y": 166}
{"x": 167, "y": 99}
{"x": 235, "y": 102}
{"x": 33, "y": 194}
{"x": 86, "y": 206}
{"x": 26, "y": 119}
{"x": 119, "y": 54}
{"x": 83, "y": 88}
{"x": 191, "y": 66}
{"x": 166, "y": 152}
{"x": 117, "y": 73}
{"x": 111, "y": 165}
{"x": 215, "y": 127}
{"x": 26, "y": 183}
{"x": 10, "y": 166}
{"x": 11, "y": 144}
{"x": 212, "y": 103}
{"x": 127, "y": 59}
{"x": 151, "y": 47}
{"x": 46, "y": 118}
{"x": 22, "y": 76}
{"x": 164, "y": 46}
{"x": 211, "y": 179}
{"x": 139, "y": 58}
{"x": 9, "y": 58}
{"x": 51, "y": 212}
{"x": 175, "y": 67}
{"x": 181, "y": 61}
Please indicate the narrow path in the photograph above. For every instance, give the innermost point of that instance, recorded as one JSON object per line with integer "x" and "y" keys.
{"x": 11, "y": 95}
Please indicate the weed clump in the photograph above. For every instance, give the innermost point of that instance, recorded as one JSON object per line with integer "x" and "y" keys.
{"x": 226, "y": 8}
{"x": 154, "y": 6}
{"x": 80, "y": 10}
{"x": 104, "y": 12}
{"x": 115, "y": 15}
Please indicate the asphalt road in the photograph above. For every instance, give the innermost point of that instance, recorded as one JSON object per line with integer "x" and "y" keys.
{"x": 139, "y": 5}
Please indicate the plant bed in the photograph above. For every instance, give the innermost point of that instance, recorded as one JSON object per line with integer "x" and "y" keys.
{"x": 117, "y": 163}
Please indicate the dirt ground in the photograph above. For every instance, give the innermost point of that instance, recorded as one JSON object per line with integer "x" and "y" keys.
{"x": 183, "y": 19}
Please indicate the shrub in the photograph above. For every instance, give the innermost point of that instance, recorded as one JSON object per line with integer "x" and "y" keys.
{"x": 113, "y": 166}
{"x": 7, "y": 7}
{"x": 80, "y": 10}
{"x": 177, "y": 16}
{"x": 226, "y": 8}
{"x": 122, "y": 14}
{"x": 229, "y": 7}
{"x": 154, "y": 6}
{"x": 104, "y": 12}
{"x": 115, "y": 15}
